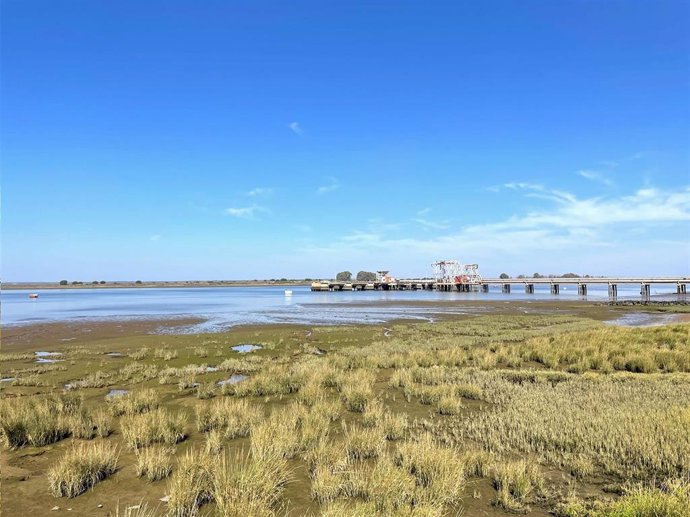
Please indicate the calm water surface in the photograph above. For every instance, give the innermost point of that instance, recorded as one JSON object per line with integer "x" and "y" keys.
{"x": 223, "y": 307}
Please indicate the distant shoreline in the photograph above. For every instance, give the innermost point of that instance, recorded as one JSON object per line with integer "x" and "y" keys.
{"x": 16, "y": 286}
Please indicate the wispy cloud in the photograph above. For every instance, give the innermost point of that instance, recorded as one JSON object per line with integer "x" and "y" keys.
{"x": 427, "y": 223}
{"x": 568, "y": 231}
{"x": 595, "y": 176}
{"x": 333, "y": 184}
{"x": 295, "y": 128}
{"x": 260, "y": 192}
{"x": 247, "y": 212}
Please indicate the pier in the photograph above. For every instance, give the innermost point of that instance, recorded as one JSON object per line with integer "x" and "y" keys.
{"x": 482, "y": 285}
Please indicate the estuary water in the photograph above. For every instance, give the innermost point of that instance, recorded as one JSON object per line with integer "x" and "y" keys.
{"x": 223, "y": 307}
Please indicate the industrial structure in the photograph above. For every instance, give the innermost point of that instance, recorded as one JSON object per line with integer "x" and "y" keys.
{"x": 451, "y": 275}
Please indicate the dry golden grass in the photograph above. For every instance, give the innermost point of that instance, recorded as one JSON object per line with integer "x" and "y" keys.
{"x": 154, "y": 462}
{"x": 158, "y": 426}
{"x": 134, "y": 402}
{"x": 243, "y": 485}
{"x": 235, "y": 418}
{"x": 191, "y": 484}
{"x": 81, "y": 468}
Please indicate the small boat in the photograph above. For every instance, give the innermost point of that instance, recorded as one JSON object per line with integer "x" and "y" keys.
{"x": 33, "y": 295}
{"x": 288, "y": 292}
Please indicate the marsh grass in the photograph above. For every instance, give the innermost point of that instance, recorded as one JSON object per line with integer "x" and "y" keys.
{"x": 244, "y": 485}
{"x": 515, "y": 482}
{"x": 234, "y": 418}
{"x": 154, "y": 462}
{"x": 363, "y": 442}
{"x": 438, "y": 470}
{"x": 37, "y": 421}
{"x": 81, "y": 468}
{"x": 134, "y": 402}
{"x": 191, "y": 484}
{"x": 158, "y": 426}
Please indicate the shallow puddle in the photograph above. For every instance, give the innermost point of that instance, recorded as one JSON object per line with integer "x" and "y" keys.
{"x": 116, "y": 393}
{"x": 44, "y": 357}
{"x": 643, "y": 319}
{"x": 246, "y": 348}
{"x": 234, "y": 379}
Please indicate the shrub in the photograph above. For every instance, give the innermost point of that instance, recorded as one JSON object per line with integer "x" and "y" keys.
{"x": 81, "y": 468}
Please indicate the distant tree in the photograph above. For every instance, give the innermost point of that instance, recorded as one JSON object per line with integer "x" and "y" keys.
{"x": 307, "y": 280}
{"x": 343, "y": 276}
{"x": 536, "y": 275}
{"x": 95, "y": 282}
{"x": 64, "y": 282}
{"x": 74, "y": 282}
{"x": 138, "y": 282}
{"x": 571, "y": 275}
{"x": 366, "y": 276}
{"x": 102, "y": 282}
{"x": 283, "y": 279}
{"x": 504, "y": 276}
{"x": 521, "y": 276}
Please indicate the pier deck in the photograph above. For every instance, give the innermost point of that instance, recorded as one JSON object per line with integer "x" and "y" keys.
{"x": 505, "y": 283}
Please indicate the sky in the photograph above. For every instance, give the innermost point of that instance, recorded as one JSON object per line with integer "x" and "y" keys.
{"x": 169, "y": 140}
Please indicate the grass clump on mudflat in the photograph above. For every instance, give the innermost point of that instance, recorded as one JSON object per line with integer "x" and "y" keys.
{"x": 191, "y": 484}
{"x": 154, "y": 462}
{"x": 159, "y": 426}
{"x": 134, "y": 402}
{"x": 81, "y": 468}
{"x": 37, "y": 421}
{"x": 234, "y": 417}
{"x": 243, "y": 485}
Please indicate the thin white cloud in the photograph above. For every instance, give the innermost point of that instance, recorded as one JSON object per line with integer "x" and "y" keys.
{"x": 247, "y": 212}
{"x": 433, "y": 225}
{"x": 295, "y": 128}
{"x": 333, "y": 184}
{"x": 595, "y": 176}
{"x": 568, "y": 231}
{"x": 260, "y": 192}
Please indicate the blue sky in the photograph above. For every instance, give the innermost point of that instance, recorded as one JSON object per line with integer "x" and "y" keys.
{"x": 204, "y": 140}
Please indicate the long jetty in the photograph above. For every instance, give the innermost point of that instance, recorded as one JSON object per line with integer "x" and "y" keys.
{"x": 505, "y": 284}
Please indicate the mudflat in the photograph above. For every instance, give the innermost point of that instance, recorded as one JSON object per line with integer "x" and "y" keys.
{"x": 529, "y": 407}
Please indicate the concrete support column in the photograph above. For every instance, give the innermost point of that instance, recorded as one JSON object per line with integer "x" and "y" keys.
{"x": 613, "y": 291}
{"x": 555, "y": 288}
{"x": 645, "y": 291}
{"x": 505, "y": 288}
{"x": 582, "y": 289}
{"x": 485, "y": 288}
{"x": 681, "y": 289}
{"x": 529, "y": 288}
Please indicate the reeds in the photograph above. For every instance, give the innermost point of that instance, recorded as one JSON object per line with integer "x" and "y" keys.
{"x": 81, "y": 468}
